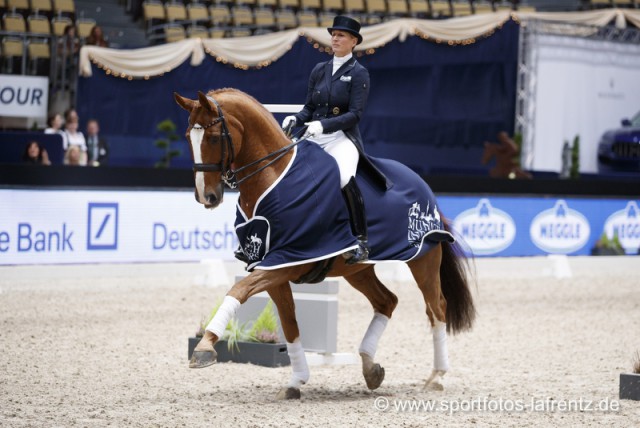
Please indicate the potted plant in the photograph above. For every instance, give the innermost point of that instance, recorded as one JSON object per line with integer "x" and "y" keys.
{"x": 608, "y": 247}
{"x": 256, "y": 342}
{"x": 168, "y": 130}
{"x": 630, "y": 382}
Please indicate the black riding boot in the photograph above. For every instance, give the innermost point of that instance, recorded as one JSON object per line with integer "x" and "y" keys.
{"x": 355, "y": 206}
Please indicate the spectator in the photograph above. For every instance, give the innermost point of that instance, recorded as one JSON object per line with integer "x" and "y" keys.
{"x": 75, "y": 157}
{"x": 97, "y": 147}
{"x": 75, "y": 138}
{"x": 70, "y": 115}
{"x": 69, "y": 43}
{"x": 35, "y": 154}
{"x": 54, "y": 124}
{"x": 96, "y": 37}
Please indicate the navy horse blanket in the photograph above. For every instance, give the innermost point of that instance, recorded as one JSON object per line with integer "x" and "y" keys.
{"x": 303, "y": 217}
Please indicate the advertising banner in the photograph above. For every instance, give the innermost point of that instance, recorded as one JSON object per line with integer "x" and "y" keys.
{"x": 89, "y": 226}
{"x": 24, "y": 96}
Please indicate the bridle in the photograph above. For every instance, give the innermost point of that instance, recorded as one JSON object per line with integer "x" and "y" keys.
{"x": 227, "y": 173}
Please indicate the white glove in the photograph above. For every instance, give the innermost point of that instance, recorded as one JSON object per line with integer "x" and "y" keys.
{"x": 314, "y": 128}
{"x": 288, "y": 121}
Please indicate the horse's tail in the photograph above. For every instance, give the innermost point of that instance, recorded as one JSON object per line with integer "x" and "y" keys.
{"x": 454, "y": 282}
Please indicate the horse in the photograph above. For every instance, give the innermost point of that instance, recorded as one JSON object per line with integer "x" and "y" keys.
{"x": 235, "y": 141}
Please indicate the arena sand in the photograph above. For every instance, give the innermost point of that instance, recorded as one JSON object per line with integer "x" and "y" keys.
{"x": 105, "y": 345}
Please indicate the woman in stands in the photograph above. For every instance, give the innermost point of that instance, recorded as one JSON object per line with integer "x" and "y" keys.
{"x": 336, "y": 98}
{"x": 35, "y": 154}
{"x": 96, "y": 37}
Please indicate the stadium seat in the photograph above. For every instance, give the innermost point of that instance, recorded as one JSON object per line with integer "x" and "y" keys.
{"x": 39, "y": 54}
{"x": 418, "y": 8}
{"x": 286, "y": 19}
{"x": 219, "y": 15}
{"x": 376, "y": 7}
{"x": 271, "y": 4}
{"x": 84, "y": 26}
{"x": 326, "y": 19}
{"x": 440, "y": 9}
{"x": 41, "y": 7}
{"x": 264, "y": 18}
{"x": 39, "y": 24}
{"x": 12, "y": 47}
{"x": 197, "y": 13}
{"x": 311, "y": 4}
{"x": 461, "y": 8}
{"x": 398, "y": 8}
{"x": 624, "y": 3}
{"x": 598, "y": 4}
{"x": 241, "y": 16}
{"x": 174, "y": 33}
{"x": 216, "y": 33}
{"x": 240, "y": 32}
{"x": 59, "y": 23}
{"x": 289, "y": 4}
{"x": 249, "y": 3}
{"x": 354, "y": 6}
{"x": 64, "y": 8}
{"x": 307, "y": 19}
{"x": 14, "y": 23}
{"x": 483, "y": 7}
{"x": 332, "y": 5}
{"x": 175, "y": 12}
{"x": 17, "y": 6}
{"x": 153, "y": 12}
{"x": 197, "y": 31}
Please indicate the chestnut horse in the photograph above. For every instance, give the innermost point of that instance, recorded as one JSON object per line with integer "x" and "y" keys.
{"x": 234, "y": 139}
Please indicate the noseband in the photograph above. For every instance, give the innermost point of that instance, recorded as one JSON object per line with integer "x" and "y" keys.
{"x": 227, "y": 173}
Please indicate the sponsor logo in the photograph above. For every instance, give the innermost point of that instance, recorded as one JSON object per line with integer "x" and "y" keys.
{"x": 626, "y": 225}
{"x": 102, "y": 226}
{"x": 487, "y": 230}
{"x": 559, "y": 229}
{"x": 252, "y": 247}
{"x": 421, "y": 222}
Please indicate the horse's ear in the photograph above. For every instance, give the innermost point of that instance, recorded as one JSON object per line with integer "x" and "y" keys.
{"x": 183, "y": 102}
{"x": 205, "y": 102}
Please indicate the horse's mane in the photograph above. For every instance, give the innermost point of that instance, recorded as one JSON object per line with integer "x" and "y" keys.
{"x": 266, "y": 114}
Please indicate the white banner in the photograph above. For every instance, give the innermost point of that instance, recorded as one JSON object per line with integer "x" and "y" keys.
{"x": 24, "y": 96}
{"x": 583, "y": 87}
{"x": 77, "y": 226}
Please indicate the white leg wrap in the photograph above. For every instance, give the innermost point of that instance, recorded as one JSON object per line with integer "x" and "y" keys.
{"x": 299, "y": 368}
{"x": 369, "y": 343}
{"x": 440, "y": 352}
{"x": 225, "y": 312}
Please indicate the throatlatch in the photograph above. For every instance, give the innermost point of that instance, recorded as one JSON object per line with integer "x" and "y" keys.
{"x": 355, "y": 206}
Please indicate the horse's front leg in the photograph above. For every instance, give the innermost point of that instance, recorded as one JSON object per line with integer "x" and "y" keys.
{"x": 259, "y": 280}
{"x": 283, "y": 298}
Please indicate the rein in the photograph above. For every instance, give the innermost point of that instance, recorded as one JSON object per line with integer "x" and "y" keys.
{"x": 228, "y": 174}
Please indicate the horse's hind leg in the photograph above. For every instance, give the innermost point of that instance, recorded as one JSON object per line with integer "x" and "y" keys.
{"x": 283, "y": 298}
{"x": 383, "y": 302}
{"x": 426, "y": 271}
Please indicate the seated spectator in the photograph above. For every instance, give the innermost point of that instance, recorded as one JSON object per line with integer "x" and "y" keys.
{"x": 69, "y": 43}
{"x": 35, "y": 154}
{"x": 75, "y": 157}
{"x": 75, "y": 137}
{"x": 54, "y": 124}
{"x": 97, "y": 147}
{"x": 96, "y": 37}
{"x": 70, "y": 115}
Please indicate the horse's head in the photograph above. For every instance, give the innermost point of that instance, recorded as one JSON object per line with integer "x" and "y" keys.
{"x": 212, "y": 147}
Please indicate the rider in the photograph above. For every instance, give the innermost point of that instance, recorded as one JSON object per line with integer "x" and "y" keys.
{"x": 336, "y": 97}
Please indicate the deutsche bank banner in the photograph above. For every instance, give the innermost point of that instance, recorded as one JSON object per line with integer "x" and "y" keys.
{"x": 77, "y": 226}
{"x": 23, "y": 96}
{"x": 89, "y": 226}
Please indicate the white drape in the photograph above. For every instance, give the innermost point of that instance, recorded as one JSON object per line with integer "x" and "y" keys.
{"x": 262, "y": 50}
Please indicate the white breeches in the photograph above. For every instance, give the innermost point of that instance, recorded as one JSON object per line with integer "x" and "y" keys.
{"x": 343, "y": 151}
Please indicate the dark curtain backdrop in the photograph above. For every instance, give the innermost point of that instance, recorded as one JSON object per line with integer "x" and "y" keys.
{"x": 431, "y": 105}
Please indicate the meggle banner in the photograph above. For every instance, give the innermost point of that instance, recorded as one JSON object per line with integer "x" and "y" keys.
{"x": 525, "y": 226}
{"x": 75, "y": 226}
{"x": 82, "y": 226}
{"x": 23, "y": 96}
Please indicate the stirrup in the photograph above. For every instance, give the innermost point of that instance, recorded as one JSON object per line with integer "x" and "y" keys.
{"x": 360, "y": 254}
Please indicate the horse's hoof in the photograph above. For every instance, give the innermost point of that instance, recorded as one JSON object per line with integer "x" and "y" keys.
{"x": 202, "y": 359}
{"x": 374, "y": 376}
{"x": 288, "y": 393}
{"x": 435, "y": 381}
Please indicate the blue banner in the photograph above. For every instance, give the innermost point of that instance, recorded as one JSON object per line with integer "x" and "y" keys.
{"x": 529, "y": 226}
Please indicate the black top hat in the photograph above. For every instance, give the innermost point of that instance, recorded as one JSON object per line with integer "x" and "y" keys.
{"x": 344, "y": 23}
